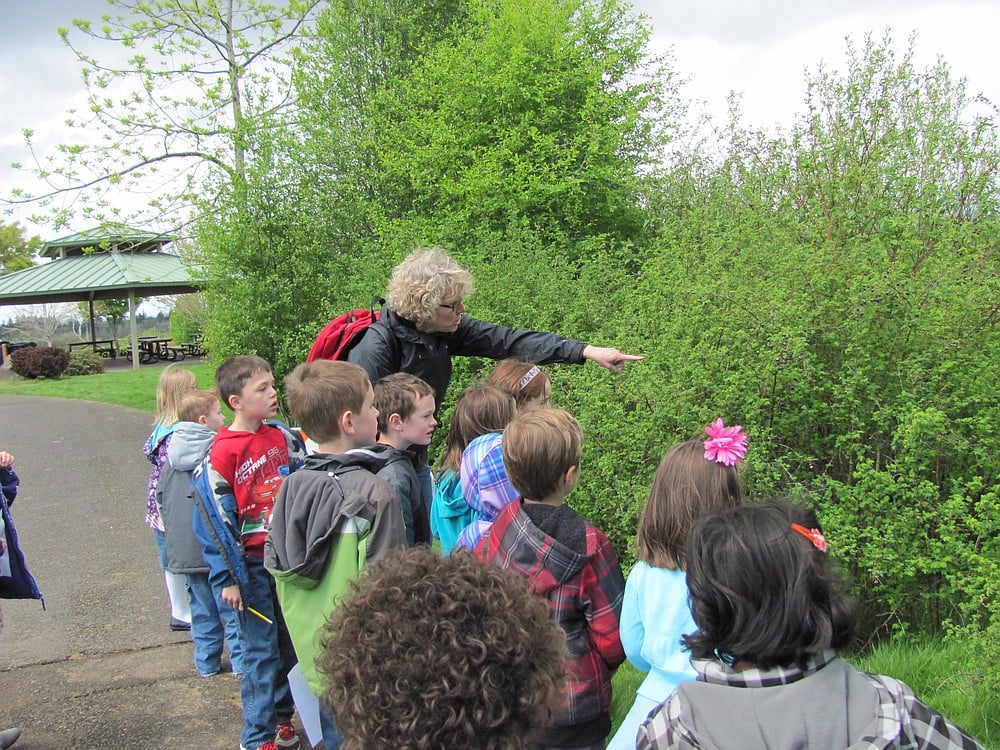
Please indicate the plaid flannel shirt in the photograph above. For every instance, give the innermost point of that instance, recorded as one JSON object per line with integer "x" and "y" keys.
{"x": 585, "y": 593}
{"x": 901, "y": 721}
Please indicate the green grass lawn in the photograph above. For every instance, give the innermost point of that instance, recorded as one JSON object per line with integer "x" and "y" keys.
{"x": 135, "y": 389}
{"x": 947, "y": 676}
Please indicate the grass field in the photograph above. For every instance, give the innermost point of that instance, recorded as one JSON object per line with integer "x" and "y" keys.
{"x": 947, "y": 676}
{"x": 135, "y": 389}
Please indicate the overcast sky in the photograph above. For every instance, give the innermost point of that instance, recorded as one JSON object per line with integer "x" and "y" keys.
{"x": 760, "y": 49}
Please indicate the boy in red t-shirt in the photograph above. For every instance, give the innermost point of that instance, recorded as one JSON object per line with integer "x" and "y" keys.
{"x": 245, "y": 467}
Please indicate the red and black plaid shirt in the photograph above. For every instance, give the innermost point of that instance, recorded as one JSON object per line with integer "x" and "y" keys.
{"x": 585, "y": 592}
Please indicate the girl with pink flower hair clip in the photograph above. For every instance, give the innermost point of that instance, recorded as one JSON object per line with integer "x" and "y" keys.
{"x": 695, "y": 478}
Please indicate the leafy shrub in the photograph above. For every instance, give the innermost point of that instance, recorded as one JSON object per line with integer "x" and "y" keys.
{"x": 39, "y": 362}
{"x": 84, "y": 362}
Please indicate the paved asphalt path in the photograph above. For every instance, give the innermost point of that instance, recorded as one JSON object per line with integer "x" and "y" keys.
{"x": 99, "y": 668}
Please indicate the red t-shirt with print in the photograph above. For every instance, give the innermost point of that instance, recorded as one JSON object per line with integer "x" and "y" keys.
{"x": 255, "y": 464}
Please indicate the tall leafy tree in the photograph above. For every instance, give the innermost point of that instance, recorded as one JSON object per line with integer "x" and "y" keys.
{"x": 176, "y": 113}
{"x": 16, "y": 250}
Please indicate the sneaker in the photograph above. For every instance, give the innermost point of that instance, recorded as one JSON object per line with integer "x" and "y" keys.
{"x": 265, "y": 746}
{"x": 286, "y": 737}
{"x": 8, "y": 737}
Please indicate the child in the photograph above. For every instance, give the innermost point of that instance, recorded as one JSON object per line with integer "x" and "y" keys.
{"x": 212, "y": 620}
{"x": 464, "y": 651}
{"x": 694, "y": 479}
{"x": 771, "y": 619}
{"x": 566, "y": 561}
{"x": 405, "y": 405}
{"x": 172, "y": 384}
{"x": 333, "y": 403}
{"x": 480, "y": 409}
{"x": 529, "y": 386}
{"x": 236, "y": 487}
{"x": 15, "y": 580}
{"x": 485, "y": 486}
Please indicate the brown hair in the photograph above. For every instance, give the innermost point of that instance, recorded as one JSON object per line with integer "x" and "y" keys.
{"x": 233, "y": 374}
{"x": 480, "y": 409}
{"x": 171, "y": 386}
{"x": 319, "y": 392}
{"x": 509, "y": 375}
{"x": 397, "y": 394}
{"x": 539, "y": 447}
{"x": 495, "y": 652}
{"x": 196, "y": 404}
{"x": 686, "y": 487}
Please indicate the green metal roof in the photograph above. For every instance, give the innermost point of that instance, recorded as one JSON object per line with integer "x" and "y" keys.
{"x": 105, "y": 238}
{"x": 103, "y": 275}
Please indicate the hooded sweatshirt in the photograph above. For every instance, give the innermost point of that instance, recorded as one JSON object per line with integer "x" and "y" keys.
{"x": 186, "y": 448}
{"x": 573, "y": 566}
{"x": 331, "y": 518}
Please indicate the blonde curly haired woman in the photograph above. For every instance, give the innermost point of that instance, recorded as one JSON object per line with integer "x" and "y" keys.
{"x": 423, "y": 325}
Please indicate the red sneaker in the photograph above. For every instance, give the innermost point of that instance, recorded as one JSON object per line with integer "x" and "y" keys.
{"x": 286, "y": 738}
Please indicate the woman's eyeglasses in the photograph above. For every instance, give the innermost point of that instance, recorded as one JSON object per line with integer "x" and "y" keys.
{"x": 453, "y": 306}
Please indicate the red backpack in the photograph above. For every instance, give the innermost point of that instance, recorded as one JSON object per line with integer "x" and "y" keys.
{"x": 340, "y": 335}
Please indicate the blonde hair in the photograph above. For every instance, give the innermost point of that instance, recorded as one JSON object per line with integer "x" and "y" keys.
{"x": 196, "y": 404}
{"x": 424, "y": 278}
{"x": 319, "y": 392}
{"x": 523, "y": 380}
{"x": 539, "y": 447}
{"x": 172, "y": 384}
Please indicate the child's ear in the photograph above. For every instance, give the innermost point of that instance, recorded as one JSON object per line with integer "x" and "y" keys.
{"x": 572, "y": 476}
{"x": 394, "y": 422}
{"x": 345, "y": 423}
{"x": 202, "y": 420}
{"x": 233, "y": 402}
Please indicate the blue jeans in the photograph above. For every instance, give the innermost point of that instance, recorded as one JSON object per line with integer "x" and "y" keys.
{"x": 267, "y": 655}
{"x": 212, "y": 623}
{"x": 161, "y": 548}
{"x": 331, "y": 737}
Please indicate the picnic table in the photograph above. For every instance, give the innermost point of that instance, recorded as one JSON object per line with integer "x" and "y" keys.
{"x": 153, "y": 348}
{"x": 104, "y": 347}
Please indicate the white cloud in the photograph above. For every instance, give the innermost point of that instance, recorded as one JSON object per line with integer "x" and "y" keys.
{"x": 762, "y": 50}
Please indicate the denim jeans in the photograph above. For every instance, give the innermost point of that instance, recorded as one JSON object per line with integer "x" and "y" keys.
{"x": 331, "y": 737}
{"x": 212, "y": 623}
{"x": 161, "y": 548}
{"x": 267, "y": 655}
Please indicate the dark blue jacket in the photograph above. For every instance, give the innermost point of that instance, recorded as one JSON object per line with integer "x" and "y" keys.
{"x": 16, "y": 582}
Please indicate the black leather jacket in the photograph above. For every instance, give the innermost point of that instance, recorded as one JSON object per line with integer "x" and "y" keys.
{"x": 394, "y": 344}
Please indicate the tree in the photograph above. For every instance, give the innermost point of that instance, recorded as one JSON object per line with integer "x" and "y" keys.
{"x": 199, "y": 78}
{"x": 16, "y": 251}
{"x": 39, "y": 322}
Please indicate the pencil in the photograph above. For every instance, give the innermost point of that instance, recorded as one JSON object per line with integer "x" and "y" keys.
{"x": 253, "y": 611}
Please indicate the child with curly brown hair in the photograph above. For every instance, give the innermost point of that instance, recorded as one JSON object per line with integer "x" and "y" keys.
{"x": 440, "y": 652}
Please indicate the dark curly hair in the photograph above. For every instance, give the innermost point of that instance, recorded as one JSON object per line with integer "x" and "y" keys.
{"x": 761, "y": 592}
{"x": 433, "y": 652}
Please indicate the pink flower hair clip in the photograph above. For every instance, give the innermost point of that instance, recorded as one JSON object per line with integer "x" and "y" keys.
{"x": 813, "y": 535}
{"x": 725, "y": 445}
